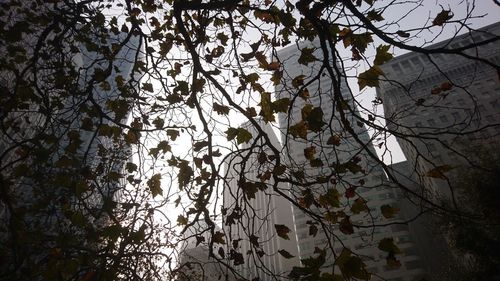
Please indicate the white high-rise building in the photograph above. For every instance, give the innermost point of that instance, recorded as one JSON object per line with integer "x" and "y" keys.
{"x": 448, "y": 110}
{"x": 254, "y": 217}
{"x": 62, "y": 154}
{"x": 336, "y": 176}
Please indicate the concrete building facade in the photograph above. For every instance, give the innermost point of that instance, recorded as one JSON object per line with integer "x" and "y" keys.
{"x": 445, "y": 107}
{"x": 60, "y": 171}
{"x": 342, "y": 164}
{"x": 252, "y": 221}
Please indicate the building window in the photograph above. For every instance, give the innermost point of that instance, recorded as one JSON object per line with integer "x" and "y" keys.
{"x": 416, "y": 61}
{"x": 410, "y": 251}
{"x": 413, "y": 264}
{"x": 438, "y": 160}
{"x": 403, "y": 239}
{"x": 494, "y": 103}
{"x": 406, "y": 65}
{"x": 485, "y": 134}
{"x": 399, "y": 227}
{"x": 397, "y": 68}
{"x": 431, "y": 147}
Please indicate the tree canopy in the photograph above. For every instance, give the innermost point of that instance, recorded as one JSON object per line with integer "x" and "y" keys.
{"x": 121, "y": 118}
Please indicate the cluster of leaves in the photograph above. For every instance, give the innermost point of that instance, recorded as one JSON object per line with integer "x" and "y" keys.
{"x": 475, "y": 234}
{"x": 113, "y": 112}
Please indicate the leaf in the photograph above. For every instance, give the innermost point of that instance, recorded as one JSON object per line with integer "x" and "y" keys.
{"x": 282, "y": 231}
{"x": 333, "y": 140}
{"x": 446, "y": 86}
{"x": 275, "y": 65}
{"x": 147, "y": 87}
{"x": 281, "y": 105}
{"x": 276, "y": 77}
{"x": 350, "y": 192}
{"x": 306, "y": 56}
{"x": 185, "y": 173}
{"x": 197, "y": 146}
{"x": 313, "y": 230}
{"x": 402, "y": 33}
{"x": 112, "y": 232}
{"x": 374, "y": 15}
{"x": 261, "y": 58}
{"x": 130, "y": 167}
{"x": 236, "y": 257}
{"x": 309, "y": 152}
{"x": 218, "y": 238}
{"x": 241, "y": 135}
{"x": 78, "y": 219}
{"x": 345, "y": 226}
{"x": 221, "y": 109}
{"x": 299, "y": 130}
{"x": 314, "y": 119}
{"x": 222, "y": 38}
{"x": 361, "y": 41}
{"x": 181, "y": 220}
{"x": 359, "y": 206}
{"x": 285, "y": 254}
{"x": 387, "y": 245}
{"x": 221, "y": 252}
{"x": 436, "y": 91}
{"x": 263, "y": 15}
{"x": 439, "y": 171}
{"x": 382, "y": 55}
{"x": 262, "y": 158}
{"x": 279, "y": 170}
{"x": 316, "y": 163}
{"x": 392, "y": 262}
{"x": 330, "y": 199}
{"x": 266, "y": 107}
{"x": 250, "y": 112}
{"x": 370, "y": 77}
{"x": 182, "y": 88}
{"x": 254, "y": 240}
{"x": 249, "y": 189}
{"x": 154, "y": 185}
{"x": 354, "y": 267}
{"x": 251, "y": 78}
{"x": 199, "y": 239}
{"x": 442, "y": 17}
{"x": 351, "y": 266}
{"x": 388, "y": 211}
{"x": 298, "y": 81}
{"x": 158, "y": 122}
{"x": 173, "y": 134}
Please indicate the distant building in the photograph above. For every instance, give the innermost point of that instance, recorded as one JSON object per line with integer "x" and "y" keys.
{"x": 447, "y": 107}
{"x": 341, "y": 163}
{"x": 250, "y": 219}
{"x": 62, "y": 156}
{"x": 423, "y": 228}
{"x": 195, "y": 263}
